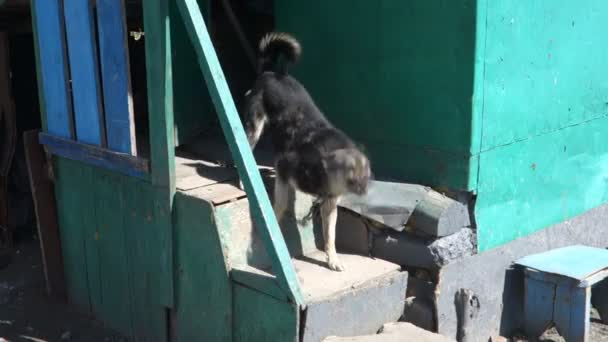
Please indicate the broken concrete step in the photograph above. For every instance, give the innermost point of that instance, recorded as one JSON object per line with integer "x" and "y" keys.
{"x": 395, "y": 332}
{"x": 359, "y": 300}
{"x": 423, "y": 210}
{"x": 354, "y": 236}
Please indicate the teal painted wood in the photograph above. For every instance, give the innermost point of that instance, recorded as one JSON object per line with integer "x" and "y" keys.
{"x": 162, "y": 148}
{"x": 114, "y": 238}
{"x": 115, "y": 278}
{"x": 261, "y": 208}
{"x": 145, "y": 234}
{"x": 259, "y": 317}
{"x": 160, "y": 94}
{"x": 84, "y": 71}
{"x": 113, "y": 51}
{"x": 545, "y": 68}
{"x": 532, "y": 184}
{"x": 542, "y": 160}
{"x": 72, "y": 234}
{"x": 407, "y": 68}
{"x": 55, "y": 103}
{"x": 576, "y": 262}
{"x": 203, "y": 303}
{"x": 100, "y": 157}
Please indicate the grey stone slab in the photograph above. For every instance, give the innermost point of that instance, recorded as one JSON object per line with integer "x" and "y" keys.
{"x": 497, "y": 286}
{"x": 395, "y": 332}
{"x": 424, "y": 211}
{"x": 409, "y": 250}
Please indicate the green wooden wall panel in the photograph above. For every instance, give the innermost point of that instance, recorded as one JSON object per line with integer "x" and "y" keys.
{"x": 115, "y": 276}
{"x": 545, "y": 67}
{"x": 114, "y": 236}
{"x": 259, "y": 317}
{"x": 532, "y": 184}
{"x": 202, "y": 284}
{"x": 392, "y": 73}
{"x": 192, "y": 107}
{"x": 72, "y": 234}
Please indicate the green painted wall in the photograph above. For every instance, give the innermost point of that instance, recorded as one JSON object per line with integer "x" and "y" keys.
{"x": 397, "y": 76}
{"x": 115, "y": 242}
{"x": 543, "y": 155}
{"x": 503, "y": 98}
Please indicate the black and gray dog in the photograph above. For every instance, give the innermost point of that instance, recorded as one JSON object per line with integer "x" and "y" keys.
{"x": 311, "y": 154}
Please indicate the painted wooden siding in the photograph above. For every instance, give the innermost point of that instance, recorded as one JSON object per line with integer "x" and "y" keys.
{"x": 396, "y": 75}
{"x": 543, "y": 153}
{"x": 202, "y": 286}
{"x": 86, "y": 89}
{"x": 56, "y": 106}
{"x": 114, "y": 241}
{"x": 114, "y": 58}
{"x": 497, "y": 97}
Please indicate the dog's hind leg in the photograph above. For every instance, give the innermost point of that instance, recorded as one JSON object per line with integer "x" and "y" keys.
{"x": 329, "y": 217}
{"x": 281, "y": 197}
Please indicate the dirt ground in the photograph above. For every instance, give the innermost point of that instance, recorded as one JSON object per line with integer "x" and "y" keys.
{"x": 27, "y": 314}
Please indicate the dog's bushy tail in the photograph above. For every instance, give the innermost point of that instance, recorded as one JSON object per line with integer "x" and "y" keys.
{"x": 277, "y": 51}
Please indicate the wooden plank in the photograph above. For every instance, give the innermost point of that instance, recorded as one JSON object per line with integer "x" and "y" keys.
{"x": 572, "y": 312}
{"x": 118, "y": 104}
{"x": 52, "y": 67}
{"x": 43, "y": 193}
{"x": 259, "y": 317}
{"x": 197, "y": 243}
{"x": 538, "y": 306}
{"x": 160, "y": 93}
{"x": 84, "y": 71}
{"x": 258, "y": 280}
{"x": 143, "y": 255}
{"x": 110, "y": 213}
{"x": 69, "y": 202}
{"x": 233, "y": 131}
{"x": 100, "y": 157}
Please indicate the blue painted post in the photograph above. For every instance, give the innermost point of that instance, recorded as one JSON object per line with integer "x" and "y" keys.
{"x": 118, "y": 105}
{"x": 538, "y": 306}
{"x": 83, "y": 69}
{"x": 571, "y": 312}
{"x": 48, "y": 23}
{"x": 259, "y": 202}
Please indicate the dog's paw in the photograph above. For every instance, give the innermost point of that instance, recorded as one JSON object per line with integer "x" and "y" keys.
{"x": 335, "y": 264}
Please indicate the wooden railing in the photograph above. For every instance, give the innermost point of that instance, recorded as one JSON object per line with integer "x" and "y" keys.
{"x": 260, "y": 206}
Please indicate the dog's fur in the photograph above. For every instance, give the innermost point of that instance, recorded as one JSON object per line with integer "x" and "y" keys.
{"x": 311, "y": 154}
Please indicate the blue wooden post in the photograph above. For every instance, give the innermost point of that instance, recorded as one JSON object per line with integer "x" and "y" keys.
{"x": 118, "y": 104}
{"x": 83, "y": 69}
{"x": 571, "y": 312}
{"x": 57, "y": 109}
{"x": 259, "y": 202}
{"x": 538, "y": 306}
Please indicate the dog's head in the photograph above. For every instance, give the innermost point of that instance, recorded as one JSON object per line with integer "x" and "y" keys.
{"x": 348, "y": 171}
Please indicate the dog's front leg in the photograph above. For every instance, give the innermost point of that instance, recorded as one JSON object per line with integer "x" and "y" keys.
{"x": 329, "y": 217}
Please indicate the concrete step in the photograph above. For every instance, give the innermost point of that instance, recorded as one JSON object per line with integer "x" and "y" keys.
{"x": 359, "y": 300}
{"x": 395, "y": 332}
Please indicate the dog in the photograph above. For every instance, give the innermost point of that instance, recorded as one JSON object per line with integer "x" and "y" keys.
{"x": 312, "y": 155}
